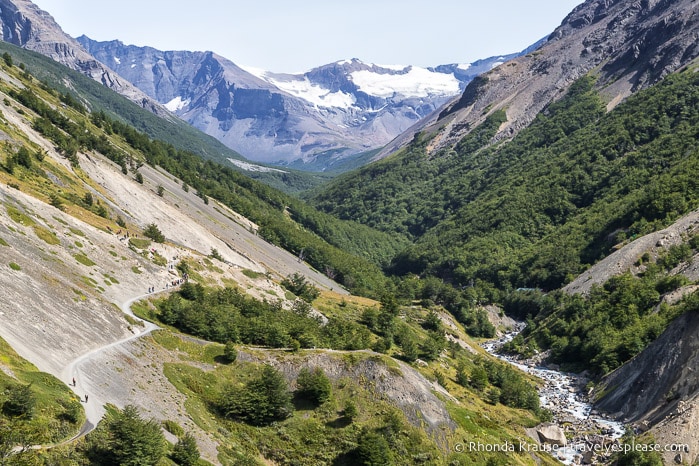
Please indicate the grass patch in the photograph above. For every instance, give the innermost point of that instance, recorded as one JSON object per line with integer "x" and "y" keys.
{"x": 159, "y": 260}
{"x": 79, "y": 244}
{"x": 77, "y": 232}
{"x": 113, "y": 253}
{"x": 252, "y": 274}
{"x": 195, "y": 350}
{"x": 81, "y": 296}
{"x": 135, "y": 269}
{"x": 139, "y": 243}
{"x": 3, "y": 242}
{"x": 15, "y": 266}
{"x": 46, "y": 235}
{"x": 111, "y": 279}
{"x": 84, "y": 260}
{"x": 89, "y": 281}
{"x": 20, "y": 217}
{"x": 132, "y": 321}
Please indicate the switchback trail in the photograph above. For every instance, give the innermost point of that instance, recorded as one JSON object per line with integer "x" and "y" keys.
{"x": 94, "y": 407}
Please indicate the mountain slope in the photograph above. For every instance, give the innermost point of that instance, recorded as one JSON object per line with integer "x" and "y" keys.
{"x": 628, "y": 45}
{"x": 333, "y": 111}
{"x": 25, "y": 25}
{"x": 78, "y": 247}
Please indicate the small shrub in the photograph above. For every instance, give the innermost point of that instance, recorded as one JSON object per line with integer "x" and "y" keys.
{"x": 230, "y": 354}
{"x": 20, "y": 402}
{"x": 185, "y": 452}
{"x": 173, "y": 427}
{"x": 84, "y": 260}
{"x": 15, "y": 266}
{"x": 314, "y": 385}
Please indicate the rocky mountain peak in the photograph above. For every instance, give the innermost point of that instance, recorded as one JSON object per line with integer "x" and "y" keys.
{"x": 629, "y": 44}
{"x": 26, "y": 25}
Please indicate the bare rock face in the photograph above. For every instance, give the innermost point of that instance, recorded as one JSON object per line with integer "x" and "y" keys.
{"x": 551, "y": 434}
{"x": 653, "y": 384}
{"x": 629, "y": 44}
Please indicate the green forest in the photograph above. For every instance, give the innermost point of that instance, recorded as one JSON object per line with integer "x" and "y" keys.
{"x": 484, "y": 222}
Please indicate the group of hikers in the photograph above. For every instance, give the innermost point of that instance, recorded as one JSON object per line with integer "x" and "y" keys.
{"x": 173, "y": 283}
{"x": 85, "y": 393}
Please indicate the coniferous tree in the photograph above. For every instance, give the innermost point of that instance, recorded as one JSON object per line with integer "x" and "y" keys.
{"x": 314, "y": 385}
{"x": 263, "y": 400}
{"x": 185, "y": 452}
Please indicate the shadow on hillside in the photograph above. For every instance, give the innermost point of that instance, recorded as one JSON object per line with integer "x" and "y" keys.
{"x": 339, "y": 423}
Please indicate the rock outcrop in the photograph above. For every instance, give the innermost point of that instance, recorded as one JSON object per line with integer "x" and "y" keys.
{"x": 651, "y": 385}
{"x": 628, "y": 44}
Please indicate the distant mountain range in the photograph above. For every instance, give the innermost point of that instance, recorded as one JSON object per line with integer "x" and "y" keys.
{"x": 315, "y": 120}
{"x": 331, "y": 112}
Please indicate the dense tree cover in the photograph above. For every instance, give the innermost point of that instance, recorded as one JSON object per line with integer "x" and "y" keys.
{"x": 612, "y": 324}
{"x": 228, "y": 315}
{"x": 536, "y": 210}
{"x": 123, "y": 438}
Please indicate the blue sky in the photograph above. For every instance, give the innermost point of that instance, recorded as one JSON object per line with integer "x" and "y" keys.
{"x": 296, "y": 35}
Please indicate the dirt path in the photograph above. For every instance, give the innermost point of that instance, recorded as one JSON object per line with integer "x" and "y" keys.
{"x": 85, "y": 385}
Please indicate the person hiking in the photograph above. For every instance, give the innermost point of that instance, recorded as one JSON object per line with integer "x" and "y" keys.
{"x": 85, "y": 397}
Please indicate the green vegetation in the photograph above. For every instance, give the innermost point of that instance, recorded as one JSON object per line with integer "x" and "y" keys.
{"x": 84, "y": 260}
{"x": 299, "y": 286}
{"x": 15, "y": 266}
{"x": 589, "y": 176}
{"x": 314, "y": 385}
{"x": 153, "y": 232}
{"x": 263, "y": 399}
{"x": 140, "y": 243}
{"x": 228, "y": 315}
{"x": 186, "y": 452}
{"x": 124, "y": 438}
{"x": 35, "y": 407}
{"x": 611, "y": 325}
{"x": 536, "y": 211}
{"x": 46, "y": 235}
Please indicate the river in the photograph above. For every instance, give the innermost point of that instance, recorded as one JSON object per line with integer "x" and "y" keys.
{"x": 564, "y": 394}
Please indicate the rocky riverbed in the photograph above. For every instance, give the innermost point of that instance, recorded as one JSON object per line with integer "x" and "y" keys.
{"x": 589, "y": 436}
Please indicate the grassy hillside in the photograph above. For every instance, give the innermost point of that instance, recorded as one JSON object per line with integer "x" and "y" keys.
{"x": 167, "y": 128}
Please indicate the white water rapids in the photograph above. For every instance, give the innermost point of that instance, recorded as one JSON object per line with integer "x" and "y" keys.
{"x": 563, "y": 394}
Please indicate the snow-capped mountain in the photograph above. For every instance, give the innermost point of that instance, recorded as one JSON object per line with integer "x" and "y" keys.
{"x": 340, "y": 109}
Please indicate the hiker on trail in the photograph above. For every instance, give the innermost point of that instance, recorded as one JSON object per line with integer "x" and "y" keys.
{"x": 85, "y": 397}
{"x": 74, "y": 381}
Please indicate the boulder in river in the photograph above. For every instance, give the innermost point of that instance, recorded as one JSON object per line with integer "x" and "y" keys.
{"x": 552, "y": 434}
